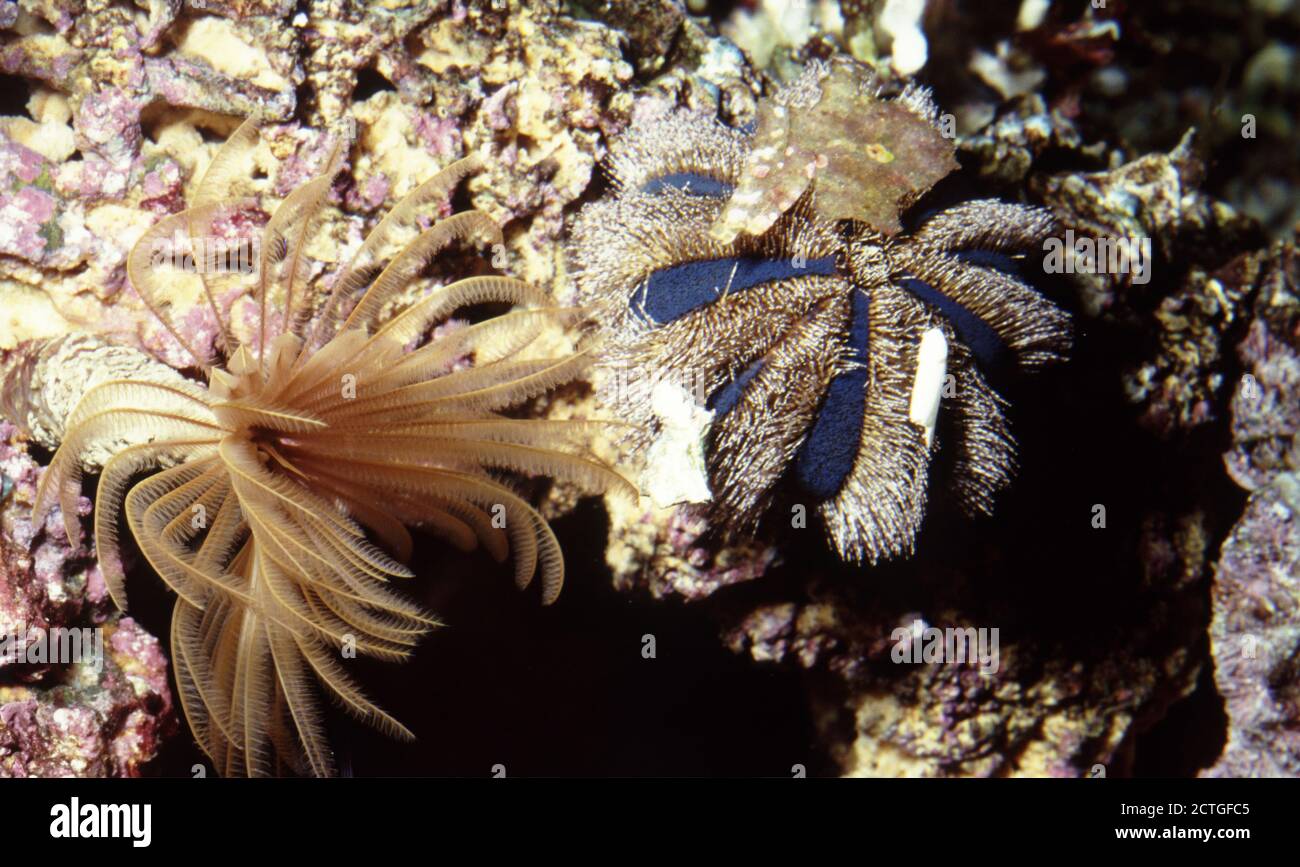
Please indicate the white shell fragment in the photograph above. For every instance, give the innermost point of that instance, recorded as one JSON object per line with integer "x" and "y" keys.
{"x": 901, "y": 19}
{"x": 1032, "y": 14}
{"x": 927, "y": 388}
{"x": 675, "y": 470}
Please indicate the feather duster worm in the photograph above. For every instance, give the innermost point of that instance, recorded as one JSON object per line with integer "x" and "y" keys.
{"x": 269, "y": 482}
{"x": 769, "y": 269}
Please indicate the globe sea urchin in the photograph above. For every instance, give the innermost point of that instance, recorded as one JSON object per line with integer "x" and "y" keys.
{"x": 769, "y": 267}
{"x": 340, "y": 423}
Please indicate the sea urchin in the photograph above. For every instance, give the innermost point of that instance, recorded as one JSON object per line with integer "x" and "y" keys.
{"x": 768, "y": 270}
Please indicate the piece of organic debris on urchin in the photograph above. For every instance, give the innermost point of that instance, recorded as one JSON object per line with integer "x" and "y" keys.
{"x": 870, "y": 157}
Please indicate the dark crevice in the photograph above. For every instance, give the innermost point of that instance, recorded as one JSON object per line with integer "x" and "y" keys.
{"x": 370, "y": 82}
{"x": 15, "y": 92}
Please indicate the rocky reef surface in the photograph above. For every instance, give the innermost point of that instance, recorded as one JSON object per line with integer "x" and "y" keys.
{"x": 1143, "y": 574}
{"x": 104, "y": 713}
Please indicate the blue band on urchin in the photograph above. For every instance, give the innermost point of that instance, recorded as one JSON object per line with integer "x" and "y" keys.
{"x": 724, "y": 400}
{"x": 989, "y": 259}
{"x": 828, "y": 453}
{"x": 983, "y": 340}
{"x": 692, "y": 183}
{"x": 670, "y": 293}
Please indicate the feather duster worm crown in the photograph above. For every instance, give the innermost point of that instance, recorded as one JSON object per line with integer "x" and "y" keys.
{"x": 269, "y": 482}
{"x": 769, "y": 268}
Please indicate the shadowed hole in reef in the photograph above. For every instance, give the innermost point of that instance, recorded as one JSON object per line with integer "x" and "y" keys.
{"x": 14, "y": 94}
{"x": 1191, "y": 736}
{"x": 369, "y": 82}
{"x": 565, "y": 691}
{"x": 555, "y": 691}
